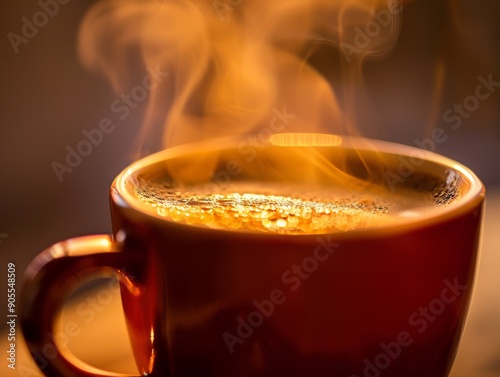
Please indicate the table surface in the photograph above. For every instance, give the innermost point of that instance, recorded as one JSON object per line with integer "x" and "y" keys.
{"x": 102, "y": 326}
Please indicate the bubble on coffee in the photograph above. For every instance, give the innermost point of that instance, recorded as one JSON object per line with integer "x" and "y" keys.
{"x": 268, "y": 207}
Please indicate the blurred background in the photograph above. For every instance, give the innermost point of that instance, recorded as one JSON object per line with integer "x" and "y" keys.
{"x": 48, "y": 99}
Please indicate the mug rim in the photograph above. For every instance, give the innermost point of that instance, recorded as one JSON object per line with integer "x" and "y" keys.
{"x": 471, "y": 199}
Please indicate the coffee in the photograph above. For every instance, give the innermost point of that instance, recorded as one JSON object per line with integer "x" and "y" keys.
{"x": 268, "y": 207}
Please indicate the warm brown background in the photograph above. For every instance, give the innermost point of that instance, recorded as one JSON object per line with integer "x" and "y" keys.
{"x": 47, "y": 99}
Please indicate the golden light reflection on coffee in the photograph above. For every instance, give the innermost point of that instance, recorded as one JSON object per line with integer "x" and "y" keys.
{"x": 269, "y": 207}
{"x": 265, "y": 213}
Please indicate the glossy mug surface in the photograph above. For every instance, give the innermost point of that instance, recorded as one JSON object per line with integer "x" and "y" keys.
{"x": 309, "y": 255}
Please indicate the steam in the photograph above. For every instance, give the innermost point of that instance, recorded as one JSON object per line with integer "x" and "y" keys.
{"x": 232, "y": 64}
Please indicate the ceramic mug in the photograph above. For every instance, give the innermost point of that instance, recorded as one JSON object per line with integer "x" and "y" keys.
{"x": 208, "y": 298}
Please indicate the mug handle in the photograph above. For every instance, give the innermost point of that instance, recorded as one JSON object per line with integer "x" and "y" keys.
{"x": 50, "y": 277}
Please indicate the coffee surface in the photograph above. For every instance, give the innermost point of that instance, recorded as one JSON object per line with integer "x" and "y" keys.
{"x": 274, "y": 208}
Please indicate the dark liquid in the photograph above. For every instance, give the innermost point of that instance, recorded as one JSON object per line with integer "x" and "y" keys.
{"x": 264, "y": 208}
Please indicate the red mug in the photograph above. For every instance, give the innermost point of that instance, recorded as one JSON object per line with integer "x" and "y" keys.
{"x": 386, "y": 299}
